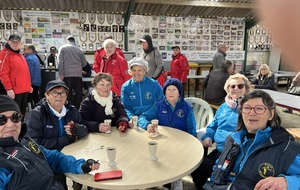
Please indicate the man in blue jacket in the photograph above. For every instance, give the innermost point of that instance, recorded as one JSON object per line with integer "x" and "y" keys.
{"x": 26, "y": 165}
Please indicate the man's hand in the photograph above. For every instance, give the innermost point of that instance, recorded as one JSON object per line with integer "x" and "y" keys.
{"x": 276, "y": 183}
{"x": 11, "y": 94}
{"x": 207, "y": 143}
{"x": 90, "y": 165}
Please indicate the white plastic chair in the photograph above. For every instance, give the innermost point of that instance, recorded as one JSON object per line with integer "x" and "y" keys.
{"x": 203, "y": 114}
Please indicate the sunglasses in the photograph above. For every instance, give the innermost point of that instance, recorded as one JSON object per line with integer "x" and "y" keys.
{"x": 15, "y": 117}
{"x": 240, "y": 86}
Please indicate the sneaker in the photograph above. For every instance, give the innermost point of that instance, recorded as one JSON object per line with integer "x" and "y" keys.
{"x": 286, "y": 110}
{"x": 177, "y": 185}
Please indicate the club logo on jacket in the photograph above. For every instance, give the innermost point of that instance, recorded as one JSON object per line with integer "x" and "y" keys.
{"x": 148, "y": 95}
{"x": 34, "y": 147}
{"x": 266, "y": 170}
{"x": 180, "y": 113}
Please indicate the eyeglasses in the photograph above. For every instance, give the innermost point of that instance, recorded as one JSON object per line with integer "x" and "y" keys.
{"x": 55, "y": 94}
{"x": 15, "y": 117}
{"x": 240, "y": 86}
{"x": 259, "y": 109}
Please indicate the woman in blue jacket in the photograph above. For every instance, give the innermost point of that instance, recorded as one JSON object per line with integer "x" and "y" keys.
{"x": 139, "y": 93}
{"x": 223, "y": 124}
{"x": 260, "y": 154}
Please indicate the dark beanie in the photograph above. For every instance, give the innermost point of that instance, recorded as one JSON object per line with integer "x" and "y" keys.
{"x": 8, "y": 104}
{"x": 175, "y": 82}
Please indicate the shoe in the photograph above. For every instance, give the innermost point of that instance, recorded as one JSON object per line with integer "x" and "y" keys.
{"x": 77, "y": 186}
{"x": 286, "y": 110}
{"x": 177, "y": 185}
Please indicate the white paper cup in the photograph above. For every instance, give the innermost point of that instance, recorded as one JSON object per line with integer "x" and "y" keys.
{"x": 134, "y": 121}
{"x": 154, "y": 123}
{"x": 108, "y": 122}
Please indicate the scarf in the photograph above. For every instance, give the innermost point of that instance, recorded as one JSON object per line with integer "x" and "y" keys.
{"x": 56, "y": 113}
{"x": 104, "y": 101}
{"x": 233, "y": 103}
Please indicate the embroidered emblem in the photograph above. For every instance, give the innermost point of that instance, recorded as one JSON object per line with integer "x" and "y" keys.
{"x": 34, "y": 147}
{"x": 148, "y": 95}
{"x": 266, "y": 170}
{"x": 13, "y": 154}
{"x": 180, "y": 113}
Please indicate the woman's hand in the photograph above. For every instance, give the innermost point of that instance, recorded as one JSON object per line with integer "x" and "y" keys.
{"x": 207, "y": 143}
{"x": 150, "y": 129}
{"x": 103, "y": 127}
{"x": 272, "y": 183}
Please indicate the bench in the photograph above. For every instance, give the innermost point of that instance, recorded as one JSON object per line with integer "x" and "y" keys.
{"x": 295, "y": 132}
{"x": 214, "y": 106}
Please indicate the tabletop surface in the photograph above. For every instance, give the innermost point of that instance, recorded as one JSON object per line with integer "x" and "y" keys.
{"x": 178, "y": 155}
{"x": 284, "y": 99}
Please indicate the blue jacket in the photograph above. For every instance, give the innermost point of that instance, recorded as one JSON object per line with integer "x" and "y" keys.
{"x": 34, "y": 69}
{"x": 223, "y": 124}
{"x": 30, "y": 165}
{"x": 139, "y": 97}
{"x": 181, "y": 117}
{"x": 270, "y": 150}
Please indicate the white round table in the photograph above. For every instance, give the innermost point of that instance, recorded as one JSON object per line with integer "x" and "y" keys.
{"x": 178, "y": 153}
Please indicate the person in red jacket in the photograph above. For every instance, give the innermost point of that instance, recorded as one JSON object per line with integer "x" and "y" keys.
{"x": 14, "y": 72}
{"x": 114, "y": 64}
{"x": 101, "y": 52}
{"x": 179, "y": 66}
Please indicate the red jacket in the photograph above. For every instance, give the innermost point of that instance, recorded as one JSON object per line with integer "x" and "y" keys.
{"x": 98, "y": 58}
{"x": 14, "y": 72}
{"x": 117, "y": 66}
{"x": 179, "y": 68}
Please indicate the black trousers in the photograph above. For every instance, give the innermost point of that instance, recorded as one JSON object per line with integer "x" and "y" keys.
{"x": 61, "y": 178}
{"x": 205, "y": 169}
{"x": 75, "y": 90}
{"x": 34, "y": 96}
{"x": 21, "y": 100}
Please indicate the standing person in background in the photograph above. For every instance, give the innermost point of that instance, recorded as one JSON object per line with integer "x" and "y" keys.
{"x": 265, "y": 79}
{"x": 101, "y": 52}
{"x": 219, "y": 56}
{"x": 52, "y": 57}
{"x": 179, "y": 67}
{"x": 114, "y": 64}
{"x": 14, "y": 73}
{"x": 214, "y": 83}
{"x": 71, "y": 60}
{"x": 139, "y": 93}
{"x": 35, "y": 75}
{"x": 153, "y": 57}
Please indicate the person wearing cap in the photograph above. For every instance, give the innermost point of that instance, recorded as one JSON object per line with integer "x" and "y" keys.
{"x": 114, "y": 64}
{"x": 102, "y": 104}
{"x": 26, "y": 165}
{"x": 100, "y": 53}
{"x": 35, "y": 74}
{"x": 172, "y": 111}
{"x": 54, "y": 123}
{"x": 219, "y": 56}
{"x": 52, "y": 57}
{"x": 154, "y": 59}
{"x": 14, "y": 74}
{"x": 140, "y": 92}
{"x": 71, "y": 60}
{"x": 179, "y": 66}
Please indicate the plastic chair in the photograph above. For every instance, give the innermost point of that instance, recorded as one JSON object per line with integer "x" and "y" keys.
{"x": 203, "y": 114}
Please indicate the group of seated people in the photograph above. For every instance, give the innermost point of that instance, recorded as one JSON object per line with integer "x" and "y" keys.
{"x": 253, "y": 151}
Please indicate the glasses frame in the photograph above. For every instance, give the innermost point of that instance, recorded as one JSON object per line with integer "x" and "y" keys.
{"x": 19, "y": 115}
{"x": 240, "y": 86}
{"x": 59, "y": 93}
{"x": 253, "y": 108}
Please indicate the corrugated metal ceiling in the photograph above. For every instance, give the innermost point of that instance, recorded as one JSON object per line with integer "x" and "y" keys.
{"x": 202, "y": 8}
